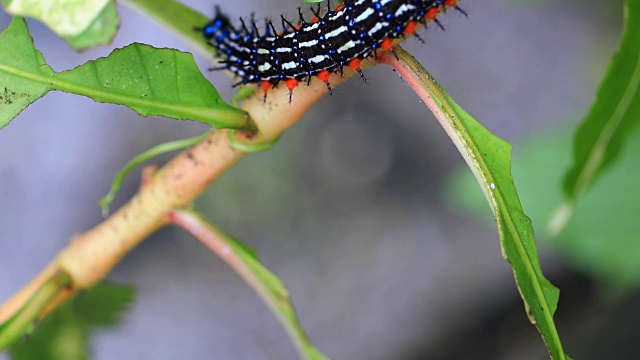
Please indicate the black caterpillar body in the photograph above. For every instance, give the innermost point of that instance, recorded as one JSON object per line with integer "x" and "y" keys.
{"x": 342, "y": 37}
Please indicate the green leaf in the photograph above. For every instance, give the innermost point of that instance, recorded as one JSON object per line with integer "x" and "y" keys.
{"x": 82, "y": 23}
{"x": 65, "y": 334}
{"x": 615, "y": 111}
{"x": 243, "y": 259}
{"x": 160, "y": 82}
{"x": 180, "y": 19}
{"x": 102, "y": 29}
{"x": 489, "y": 158}
{"x": 601, "y": 239}
{"x": 18, "y": 59}
{"x": 23, "y": 321}
{"x": 104, "y": 304}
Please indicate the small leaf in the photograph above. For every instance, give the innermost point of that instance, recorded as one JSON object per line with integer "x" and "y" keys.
{"x": 65, "y": 334}
{"x": 160, "y": 82}
{"x": 105, "y": 304}
{"x": 82, "y": 23}
{"x": 23, "y": 321}
{"x": 613, "y": 114}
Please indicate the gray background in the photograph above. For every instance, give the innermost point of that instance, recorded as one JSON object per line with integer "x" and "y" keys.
{"x": 347, "y": 209}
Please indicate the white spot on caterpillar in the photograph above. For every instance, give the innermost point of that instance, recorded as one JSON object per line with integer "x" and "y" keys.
{"x": 317, "y": 59}
{"x": 336, "y": 32}
{"x": 377, "y": 28}
{"x": 289, "y": 65}
{"x": 347, "y": 46}
{"x": 310, "y": 43}
{"x": 492, "y": 186}
{"x": 264, "y": 67}
{"x": 312, "y": 27}
{"x": 337, "y": 16}
{"x": 262, "y": 51}
{"x": 404, "y": 8}
{"x": 364, "y": 15}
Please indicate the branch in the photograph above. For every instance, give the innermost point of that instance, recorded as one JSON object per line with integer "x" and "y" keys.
{"x": 33, "y": 310}
{"x": 91, "y": 255}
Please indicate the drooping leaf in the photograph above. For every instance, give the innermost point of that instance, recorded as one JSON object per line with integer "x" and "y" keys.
{"x": 82, "y": 23}
{"x": 613, "y": 114}
{"x": 243, "y": 260}
{"x": 160, "y": 82}
{"x": 601, "y": 240}
{"x": 489, "y": 158}
{"x": 66, "y": 333}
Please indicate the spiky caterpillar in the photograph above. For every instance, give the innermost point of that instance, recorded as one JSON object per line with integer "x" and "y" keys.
{"x": 356, "y": 29}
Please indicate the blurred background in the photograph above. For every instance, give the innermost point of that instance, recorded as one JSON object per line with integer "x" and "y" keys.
{"x": 361, "y": 208}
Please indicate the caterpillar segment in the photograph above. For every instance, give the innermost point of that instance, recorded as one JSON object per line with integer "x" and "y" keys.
{"x": 321, "y": 46}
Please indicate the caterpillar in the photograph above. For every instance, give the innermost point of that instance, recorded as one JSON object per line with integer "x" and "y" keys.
{"x": 354, "y": 30}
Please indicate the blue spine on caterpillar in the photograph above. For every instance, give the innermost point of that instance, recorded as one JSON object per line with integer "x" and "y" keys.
{"x": 327, "y": 43}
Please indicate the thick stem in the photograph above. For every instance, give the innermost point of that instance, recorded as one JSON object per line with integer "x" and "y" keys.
{"x": 91, "y": 255}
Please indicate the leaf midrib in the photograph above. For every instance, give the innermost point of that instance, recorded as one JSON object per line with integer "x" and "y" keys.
{"x": 596, "y": 155}
{"x": 56, "y": 83}
{"x": 497, "y": 196}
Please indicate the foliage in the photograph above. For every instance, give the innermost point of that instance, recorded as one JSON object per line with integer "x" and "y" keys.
{"x": 66, "y": 333}
{"x": 489, "y": 158}
{"x": 614, "y": 113}
{"x": 601, "y": 238}
{"x": 244, "y": 260}
{"x": 151, "y": 81}
{"x": 165, "y": 82}
{"x": 82, "y": 23}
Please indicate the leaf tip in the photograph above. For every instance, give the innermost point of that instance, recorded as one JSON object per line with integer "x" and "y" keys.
{"x": 560, "y": 218}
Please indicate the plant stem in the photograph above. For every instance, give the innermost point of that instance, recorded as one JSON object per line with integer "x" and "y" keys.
{"x": 264, "y": 283}
{"x": 33, "y": 309}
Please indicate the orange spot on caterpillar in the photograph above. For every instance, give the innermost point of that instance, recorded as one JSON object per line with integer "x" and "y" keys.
{"x": 450, "y": 3}
{"x": 315, "y": 19}
{"x": 386, "y": 44}
{"x": 291, "y": 83}
{"x": 410, "y": 28}
{"x": 340, "y": 7}
{"x": 324, "y": 75}
{"x": 354, "y": 64}
{"x": 432, "y": 13}
{"x": 266, "y": 85}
